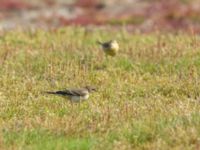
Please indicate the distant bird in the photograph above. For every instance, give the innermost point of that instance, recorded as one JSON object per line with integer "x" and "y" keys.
{"x": 75, "y": 95}
{"x": 110, "y": 48}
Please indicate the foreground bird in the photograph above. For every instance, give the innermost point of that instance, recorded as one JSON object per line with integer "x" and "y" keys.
{"x": 110, "y": 48}
{"x": 75, "y": 95}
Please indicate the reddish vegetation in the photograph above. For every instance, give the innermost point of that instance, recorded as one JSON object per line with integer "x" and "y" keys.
{"x": 167, "y": 15}
{"x": 13, "y": 4}
{"x": 142, "y": 15}
{"x": 84, "y": 20}
{"x": 86, "y": 3}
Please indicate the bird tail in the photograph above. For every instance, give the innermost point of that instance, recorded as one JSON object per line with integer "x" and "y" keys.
{"x": 49, "y": 92}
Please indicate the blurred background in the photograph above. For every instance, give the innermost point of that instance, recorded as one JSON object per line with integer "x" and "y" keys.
{"x": 135, "y": 15}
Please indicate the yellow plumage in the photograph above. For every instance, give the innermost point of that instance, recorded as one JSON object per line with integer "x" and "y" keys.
{"x": 110, "y": 48}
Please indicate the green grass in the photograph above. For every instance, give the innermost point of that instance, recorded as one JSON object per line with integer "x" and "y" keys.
{"x": 148, "y": 95}
{"x": 44, "y": 140}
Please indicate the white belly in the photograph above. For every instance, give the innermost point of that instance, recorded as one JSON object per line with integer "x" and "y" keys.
{"x": 79, "y": 98}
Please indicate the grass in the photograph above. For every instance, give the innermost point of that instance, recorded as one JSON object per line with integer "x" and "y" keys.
{"x": 148, "y": 95}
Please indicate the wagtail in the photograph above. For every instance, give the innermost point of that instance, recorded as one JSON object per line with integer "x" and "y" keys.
{"x": 110, "y": 48}
{"x": 74, "y": 95}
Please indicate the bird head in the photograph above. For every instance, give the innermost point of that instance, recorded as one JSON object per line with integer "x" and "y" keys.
{"x": 91, "y": 88}
{"x": 114, "y": 44}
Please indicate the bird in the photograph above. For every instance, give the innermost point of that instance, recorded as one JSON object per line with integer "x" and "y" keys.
{"x": 110, "y": 48}
{"x": 74, "y": 95}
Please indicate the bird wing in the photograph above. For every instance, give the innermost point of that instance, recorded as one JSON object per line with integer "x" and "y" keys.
{"x": 72, "y": 92}
{"x": 77, "y": 92}
{"x": 58, "y": 92}
{"x": 106, "y": 45}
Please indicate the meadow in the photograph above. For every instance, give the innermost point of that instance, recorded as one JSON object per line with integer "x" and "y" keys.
{"x": 148, "y": 95}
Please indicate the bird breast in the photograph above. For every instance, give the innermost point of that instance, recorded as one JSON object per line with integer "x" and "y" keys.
{"x": 79, "y": 98}
{"x": 115, "y": 46}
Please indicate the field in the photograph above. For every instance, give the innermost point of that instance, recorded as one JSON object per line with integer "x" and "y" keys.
{"x": 148, "y": 95}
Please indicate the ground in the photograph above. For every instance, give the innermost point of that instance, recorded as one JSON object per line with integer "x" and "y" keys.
{"x": 148, "y": 95}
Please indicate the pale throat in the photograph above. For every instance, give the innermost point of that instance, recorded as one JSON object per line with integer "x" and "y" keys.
{"x": 114, "y": 46}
